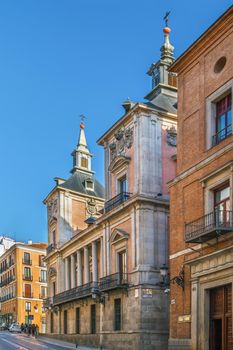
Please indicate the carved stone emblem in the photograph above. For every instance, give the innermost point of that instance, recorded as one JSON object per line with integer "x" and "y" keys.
{"x": 91, "y": 207}
{"x": 123, "y": 141}
{"x": 53, "y": 208}
{"x": 171, "y": 136}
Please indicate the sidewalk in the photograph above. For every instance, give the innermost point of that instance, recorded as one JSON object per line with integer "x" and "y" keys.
{"x": 65, "y": 345}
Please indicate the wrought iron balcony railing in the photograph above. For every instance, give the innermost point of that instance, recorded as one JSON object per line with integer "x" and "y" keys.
{"x": 42, "y": 280}
{"x": 51, "y": 247}
{"x": 27, "y": 295}
{"x": 73, "y": 294}
{"x": 6, "y": 297}
{"x": 209, "y": 226}
{"x": 116, "y": 201}
{"x": 116, "y": 280}
{"x": 27, "y": 278}
{"x": 27, "y": 261}
{"x": 7, "y": 281}
{"x": 221, "y": 135}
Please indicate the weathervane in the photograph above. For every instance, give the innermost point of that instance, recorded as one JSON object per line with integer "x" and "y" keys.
{"x": 82, "y": 117}
{"x": 166, "y": 17}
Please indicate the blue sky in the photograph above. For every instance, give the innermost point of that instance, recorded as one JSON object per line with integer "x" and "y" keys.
{"x": 62, "y": 58}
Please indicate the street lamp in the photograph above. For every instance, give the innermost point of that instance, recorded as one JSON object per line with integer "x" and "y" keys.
{"x": 166, "y": 281}
{"x": 97, "y": 295}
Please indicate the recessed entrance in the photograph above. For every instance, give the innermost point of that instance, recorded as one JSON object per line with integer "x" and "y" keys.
{"x": 221, "y": 318}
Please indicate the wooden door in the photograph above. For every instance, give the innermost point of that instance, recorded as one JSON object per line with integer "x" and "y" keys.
{"x": 27, "y": 291}
{"x": 221, "y": 318}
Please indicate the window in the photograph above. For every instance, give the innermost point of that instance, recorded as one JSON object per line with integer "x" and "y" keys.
{"x": 43, "y": 292}
{"x": 65, "y": 321}
{"x": 54, "y": 288}
{"x": 117, "y": 314}
{"x": 41, "y": 260}
{"x": 27, "y": 306}
{"x": 222, "y": 204}
{"x": 43, "y": 276}
{"x": 155, "y": 78}
{"x": 26, "y": 258}
{"x": 51, "y": 323}
{"x": 123, "y": 185}
{"x": 93, "y": 319}
{"x": 27, "y": 273}
{"x": 84, "y": 162}
{"x": 223, "y": 120}
{"x": 122, "y": 265}
{"x": 89, "y": 185}
{"x": 78, "y": 320}
{"x": 54, "y": 237}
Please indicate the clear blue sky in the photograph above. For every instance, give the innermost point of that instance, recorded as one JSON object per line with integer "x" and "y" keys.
{"x": 61, "y": 58}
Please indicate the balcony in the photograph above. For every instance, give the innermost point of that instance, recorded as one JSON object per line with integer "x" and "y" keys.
{"x": 26, "y": 261}
{"x": 51, "y": 248}
{"x": 42, "y": 280}
{"x": 28, "y": 295}
{"x": 6, "y": 297}
{"x": 221, "y": 135}
{"x": 41, "y": 296}
{"x": 209, "y": 226}
{"x": 7, "y": 281}
{"x": 27, "y": 278}
{"x": 116, "y": 201}
{"x": 4, "y": 268}
{"x": 73, "y": 294}
{"x": 114, "y": 281}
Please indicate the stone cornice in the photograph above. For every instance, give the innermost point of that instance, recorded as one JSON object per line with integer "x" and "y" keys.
{"x": 126, "y": 117}
{"x": 106, "y": 217}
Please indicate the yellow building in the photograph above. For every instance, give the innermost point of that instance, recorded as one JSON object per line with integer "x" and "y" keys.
{"x": 23, "y": 283}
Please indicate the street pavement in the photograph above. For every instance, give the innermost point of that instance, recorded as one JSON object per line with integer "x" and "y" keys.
{"x": 13, "y": 341}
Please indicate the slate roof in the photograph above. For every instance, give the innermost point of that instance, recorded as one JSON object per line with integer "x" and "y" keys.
{"x": 163, "y": 103}
{"x": 77, "y": 183}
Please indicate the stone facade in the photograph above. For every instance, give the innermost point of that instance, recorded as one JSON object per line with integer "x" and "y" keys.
{"x": 104, "y": 279}
{"x": 201, "y": 224}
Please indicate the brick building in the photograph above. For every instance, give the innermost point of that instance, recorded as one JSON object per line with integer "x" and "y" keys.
{"x": 104, "y": 280}
{"x": 201, "y": 249}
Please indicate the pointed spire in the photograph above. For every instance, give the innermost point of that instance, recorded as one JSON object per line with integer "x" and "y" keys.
{"x": 82, "y": 142}
{"x": 81, "y": 155}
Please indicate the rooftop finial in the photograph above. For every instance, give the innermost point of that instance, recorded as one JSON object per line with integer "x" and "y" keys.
{"x": 82, "y": 117}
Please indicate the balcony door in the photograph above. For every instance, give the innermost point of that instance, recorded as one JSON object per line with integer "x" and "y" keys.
{"x": 27, "y": 289}
{"x": 222, "y": 205}
{"x": 122, "y": 265}
{"x": 123, "y": 185}
{"x": 221, "y": 318}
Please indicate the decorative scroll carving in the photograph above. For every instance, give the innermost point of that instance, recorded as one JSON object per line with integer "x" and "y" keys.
{"x": 171, "y": 136}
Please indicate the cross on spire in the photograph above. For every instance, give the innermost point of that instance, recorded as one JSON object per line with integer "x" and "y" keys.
{"x": 82, "y": 117}
{"x": 166, "y": 17}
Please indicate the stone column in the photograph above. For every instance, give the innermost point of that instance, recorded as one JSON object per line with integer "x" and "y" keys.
{"x": 94, "y": 262}
{"x": 86, "y": 266}
{"x": 72, "y": 272}
{"x": 79, "y": 268}
{"x": 101, "y": 257}
{"x": 66, "y": 273}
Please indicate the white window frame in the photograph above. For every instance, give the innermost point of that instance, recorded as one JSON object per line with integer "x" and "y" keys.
{"x": 211, "y": 110}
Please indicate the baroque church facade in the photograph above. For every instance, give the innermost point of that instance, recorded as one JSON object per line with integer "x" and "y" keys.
{"x": 106, "y": 250}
